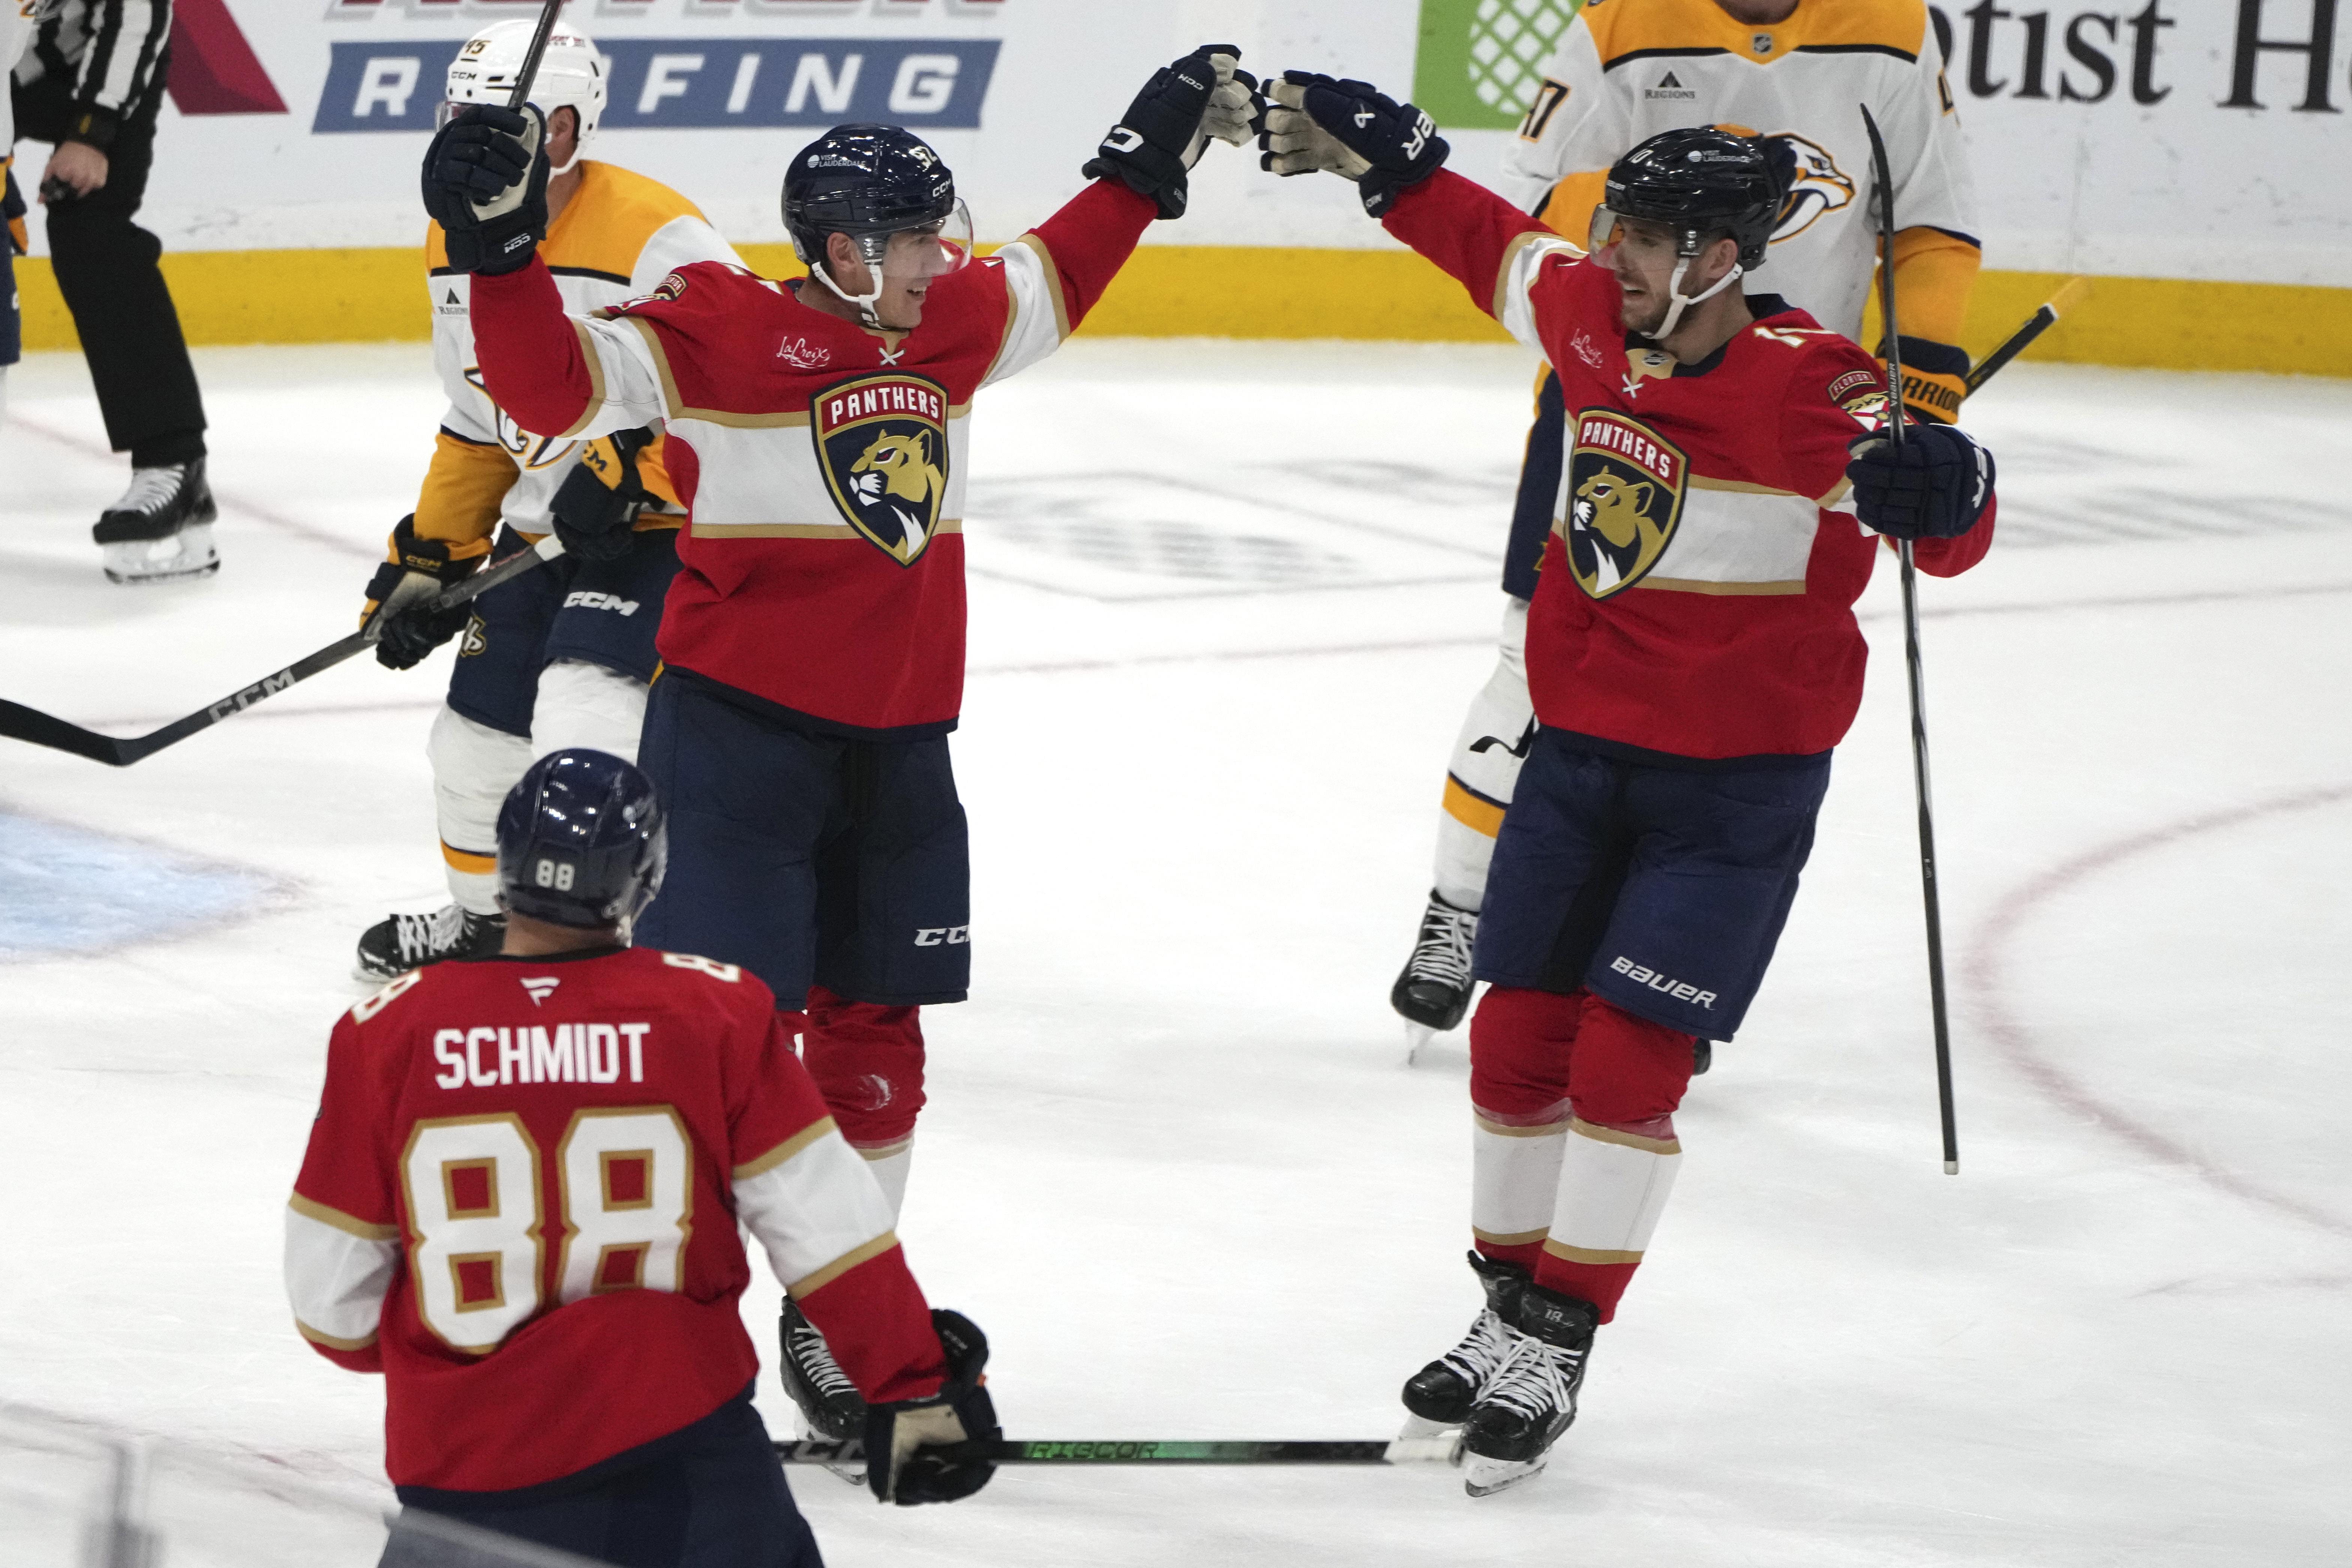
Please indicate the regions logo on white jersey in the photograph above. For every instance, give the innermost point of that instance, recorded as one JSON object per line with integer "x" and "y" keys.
{"x": 1625, "y": 488}
{"x": 541, "y": 986}
{"x": 882, "y": 441}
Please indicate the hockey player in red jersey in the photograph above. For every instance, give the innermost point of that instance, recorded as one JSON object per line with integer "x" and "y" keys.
{"x": 813, "y": 639}
{"x": 521, "y": 1204}
{"x": 1693, "y": 655}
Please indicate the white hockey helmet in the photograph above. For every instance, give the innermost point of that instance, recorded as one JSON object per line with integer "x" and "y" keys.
{"x": 572, "y": 72}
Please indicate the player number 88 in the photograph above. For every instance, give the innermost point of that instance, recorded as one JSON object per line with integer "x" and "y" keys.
{"x": 477, "y": 1221}
{"x": 556, "y": 874}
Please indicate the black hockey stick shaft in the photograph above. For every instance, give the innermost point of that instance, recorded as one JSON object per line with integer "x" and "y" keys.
{"x": 19, "y": 722}
{"x": 529, "y": 72}
{"x": 2040, "y": 322}
{"x": 1380, "y": 1451}
{"x": 1938, "y": 1005}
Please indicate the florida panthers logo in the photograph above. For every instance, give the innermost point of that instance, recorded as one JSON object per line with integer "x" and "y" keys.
{"x": 882, "y": 441}
{"x": 1624, "y": 494}
{"x": 1820, "y": 186}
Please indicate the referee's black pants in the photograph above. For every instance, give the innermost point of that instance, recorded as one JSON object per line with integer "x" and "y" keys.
{"x": 106, "y": 268}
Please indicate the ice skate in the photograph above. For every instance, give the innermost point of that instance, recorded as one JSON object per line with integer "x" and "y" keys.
{"x": 829, "y": 1403}
{"x": 1532, "y": 1399}
{"x": 1433, "y": 990}
{"x": 161, "y": 529}
{"x": 398, "y": 943}
{"x": 1442, "y": 1394}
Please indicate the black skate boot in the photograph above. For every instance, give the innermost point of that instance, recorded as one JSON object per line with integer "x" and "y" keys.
{"x": 1442, "y": 1393}
{"x": 828, "y": 1401}
{"x": 1532, "y": 1400}
{"x": 1433, "y": 990}
{"x": 398, "y": 943}
{"x": 161, "y": 529}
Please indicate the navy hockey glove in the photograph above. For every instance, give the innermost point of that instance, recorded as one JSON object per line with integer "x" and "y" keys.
{"x": 399, "y": 618}
{"x": 1935, "y": 380}
{"x": 597, "y": 506}
{"x": 486, "y": 185}
{"x": 897, "y": 1435}
{"x": 1935, "y": 486}
{"x": 1153, "y": 147}
{"x": 1351, "y": 129}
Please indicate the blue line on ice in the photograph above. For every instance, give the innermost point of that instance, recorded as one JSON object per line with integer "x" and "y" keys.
{"x": 65, "y": 890}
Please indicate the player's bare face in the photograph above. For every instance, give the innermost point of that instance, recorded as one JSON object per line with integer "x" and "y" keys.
{"x": 1641, "y": 257}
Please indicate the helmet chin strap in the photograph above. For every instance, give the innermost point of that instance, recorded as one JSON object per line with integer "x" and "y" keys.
{"x": 863, "y": 302}
{"x": 1681, "y": 303}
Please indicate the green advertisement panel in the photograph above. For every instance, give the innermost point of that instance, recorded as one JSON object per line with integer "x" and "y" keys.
{"x": 1479, "y": 60}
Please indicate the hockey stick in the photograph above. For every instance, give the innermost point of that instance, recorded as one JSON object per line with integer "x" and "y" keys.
{"x": 19, "y": 722}
{"x": 1911, "y": 658}
{"x": 529, "y": 72}
{"x": 2036, "y": 324}
{"x": 1446, "y": 1450}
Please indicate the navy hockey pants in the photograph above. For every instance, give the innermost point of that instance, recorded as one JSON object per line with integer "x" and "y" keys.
{"x": 1661, "y": 888}
{"x": 710, "y": 1495}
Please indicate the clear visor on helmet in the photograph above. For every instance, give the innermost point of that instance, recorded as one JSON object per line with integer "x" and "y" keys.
{"x": 930, "y": 250}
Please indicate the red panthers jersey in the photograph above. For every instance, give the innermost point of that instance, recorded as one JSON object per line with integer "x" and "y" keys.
{"x": 822, "y": 464}
{"x": 1696, "y": 594}
{"x": 520, "y": 1205}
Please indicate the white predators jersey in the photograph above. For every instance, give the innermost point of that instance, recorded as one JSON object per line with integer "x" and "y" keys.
{"x": 1627, "y": 69}
{"x": 617, "y": 238}
{"x": 16, "y": 36}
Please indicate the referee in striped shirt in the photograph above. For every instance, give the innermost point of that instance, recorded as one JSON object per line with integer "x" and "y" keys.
{"x": 91, "y": 84}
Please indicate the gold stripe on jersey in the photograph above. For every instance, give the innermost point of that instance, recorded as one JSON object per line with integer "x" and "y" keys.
{"x": 777, "y": 421}
{"x": 1501, "y": 302}
{"x": 785, "y": 1150}
{"x": 671, "y": 402}
{"x": 1561, "y": 1249}
{"x": 317, "y": 1337}
{"x": 466, "y": 860}
{"x": 1472, "y": 810}
{"x": 799, "y": 529}
{"x": 1632, "y": 29}
{"x": 810, "y": 1284}
{"x": 1053, "y": 286}
{"x": 311, "y": 1209}
{"x": 1934, "y": 273}
{"x": 1510, "y": 1238}
{"x": 464, "y": 487}
{"x": 595, "y": 405}
{"x": 1724, "y": 590}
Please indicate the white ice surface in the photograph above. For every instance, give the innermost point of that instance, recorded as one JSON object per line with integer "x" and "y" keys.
{"x": 1228, "y": 605}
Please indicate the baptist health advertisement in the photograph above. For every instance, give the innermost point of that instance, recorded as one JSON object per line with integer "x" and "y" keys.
{"x": 2187, "y": 154}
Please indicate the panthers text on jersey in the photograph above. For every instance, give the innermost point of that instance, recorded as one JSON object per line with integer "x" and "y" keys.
{"x": 822, "y": 463}
{"x": 520, "y": 1205}
{"x": 1627, "y": 69}
{"x": 618, "y": 236}
{"x": 1696, "y": 594}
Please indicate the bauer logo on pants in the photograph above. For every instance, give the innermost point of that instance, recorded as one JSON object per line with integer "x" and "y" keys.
{"x": 882, "y": 441}
{"x": 1624, "y": 495}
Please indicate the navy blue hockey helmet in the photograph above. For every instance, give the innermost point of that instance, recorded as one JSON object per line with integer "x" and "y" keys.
{"x": 582, "y": 840}
{"x": 867, "y": 181}
{"x": 1702, "y": 181}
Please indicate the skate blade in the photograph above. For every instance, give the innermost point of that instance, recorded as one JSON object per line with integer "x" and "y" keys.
{"x": 185, "y": 554}
{"x": 1420, "y": 1441}
{"x": 1483, "y": 1477}
{"x": 1416, "y": 1038}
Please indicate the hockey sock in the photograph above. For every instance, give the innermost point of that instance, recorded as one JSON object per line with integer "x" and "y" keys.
{"x": 473, "y": 767}
{"x": 1619, "y": 1156}
{"x": 868, "y": 1060}
{"x": 890, "y": 1164}
{"x": 1520, "y": 1047}
{"x": 1485, "y": 769}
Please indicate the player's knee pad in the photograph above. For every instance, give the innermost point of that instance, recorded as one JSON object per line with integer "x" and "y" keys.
{"x": 1628, "y": 1072}
{"x": 1521, "y": 1044}
{"x": 583, "y": 704}
{"x": 867, "y": 1061}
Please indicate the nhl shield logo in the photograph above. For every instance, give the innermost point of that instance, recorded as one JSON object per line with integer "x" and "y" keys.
{"x": 1624, "y": 495}
{"x": 882, "y": 441}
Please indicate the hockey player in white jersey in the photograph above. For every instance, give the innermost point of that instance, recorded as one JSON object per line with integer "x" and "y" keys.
{"x": 562, "y": 655}
{"x": 1796, "y": 72}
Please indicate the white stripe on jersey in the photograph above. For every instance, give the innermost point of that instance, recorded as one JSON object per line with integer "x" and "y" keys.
{"x": 814, "y": 1209}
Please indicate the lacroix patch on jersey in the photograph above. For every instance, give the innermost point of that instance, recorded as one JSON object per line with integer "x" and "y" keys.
{"x": 882, "y": 441}
{"x": 1625, "y": 486}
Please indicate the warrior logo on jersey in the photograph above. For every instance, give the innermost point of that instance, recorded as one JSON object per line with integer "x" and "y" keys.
{"x": 882, "y": 441}
{"x": 1624, "y": 494}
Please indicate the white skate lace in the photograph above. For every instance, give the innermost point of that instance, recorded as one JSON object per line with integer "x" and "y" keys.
{"x": 1484, "y": 1351}
{"x": 1442, "y": 953}
{"x": 151, "y": 489}
{"x": 1535, "y": 1379}
{"x": 424, "y": 937}
{"x": 814, "y": 1358}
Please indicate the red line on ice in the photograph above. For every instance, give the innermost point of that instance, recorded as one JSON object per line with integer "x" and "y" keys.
{"x": 1989, "y": 998}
